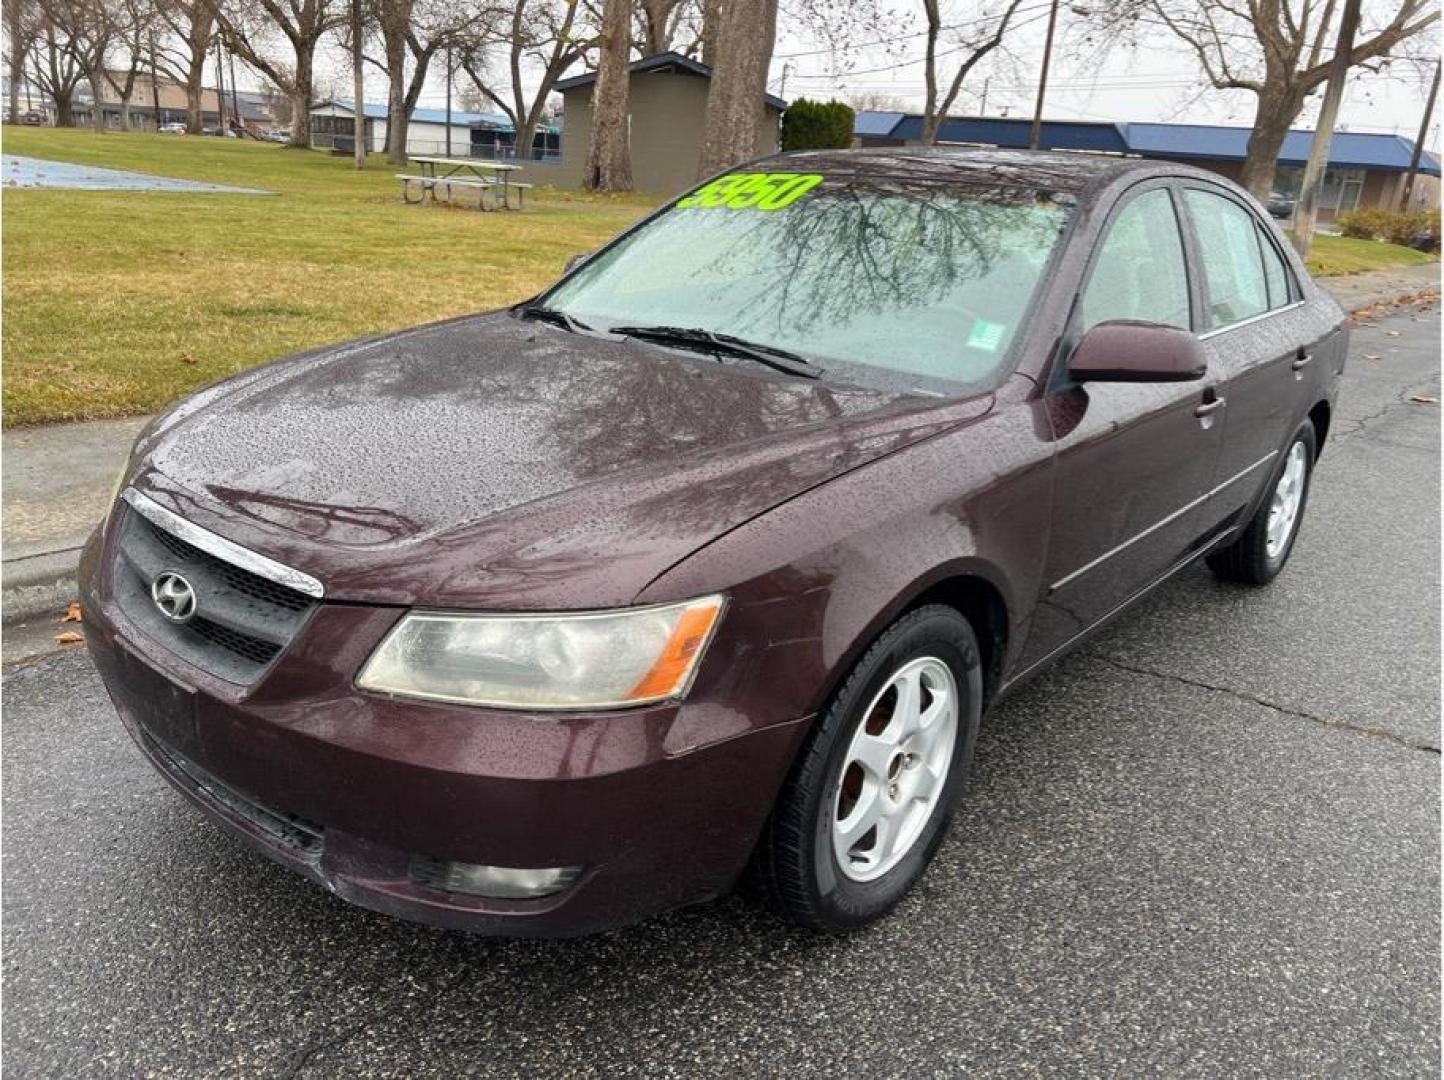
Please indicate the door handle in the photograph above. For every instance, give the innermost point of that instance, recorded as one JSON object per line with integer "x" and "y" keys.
{"x": 1208, "y": 408}
{"x": 1302, "y": 360}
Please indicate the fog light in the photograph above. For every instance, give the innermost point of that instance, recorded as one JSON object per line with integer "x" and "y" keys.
{"x": 497, "y": 882}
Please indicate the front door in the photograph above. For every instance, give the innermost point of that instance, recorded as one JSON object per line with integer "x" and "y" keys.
{"x": 1134, "y": 461}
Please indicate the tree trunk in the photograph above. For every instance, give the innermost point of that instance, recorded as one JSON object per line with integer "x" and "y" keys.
{"x": 125, "y": 113}
{"x": 64, "y": 107}
{"x": 397, "y": 116}
{"x": 17, "y": 57}
{"x": 195, "y": 74}
{"x": 609, "y": 157}
{"x": 711, "y": 26}
{"x": 97, "y": 103}
{"x": 742, "y": 46}
{"x": 1270, "y": 128}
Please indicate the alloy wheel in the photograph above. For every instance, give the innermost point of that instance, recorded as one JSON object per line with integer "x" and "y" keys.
{"x": 895, "y": 769}
{"x": 1288, "y": 497}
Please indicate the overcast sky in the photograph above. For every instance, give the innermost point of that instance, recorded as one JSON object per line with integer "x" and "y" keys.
{"x": 1160, "y": 83}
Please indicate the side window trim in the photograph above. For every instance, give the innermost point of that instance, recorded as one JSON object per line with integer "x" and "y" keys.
{"x": 1266, "y": 245}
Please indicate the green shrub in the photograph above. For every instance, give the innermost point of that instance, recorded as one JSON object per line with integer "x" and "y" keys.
{"x": 1366, "y": 224}
{"x": 817, "y": 125}
{"x": 1395, "y": 226}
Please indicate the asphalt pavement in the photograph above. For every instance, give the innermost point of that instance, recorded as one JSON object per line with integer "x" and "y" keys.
{"x": 1206, "y": 845}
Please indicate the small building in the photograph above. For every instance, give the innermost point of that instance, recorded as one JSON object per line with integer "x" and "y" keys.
{"x": 1364, "y": 169}
{"x": 333, "y": 125}
{"x": 666, "y": 113}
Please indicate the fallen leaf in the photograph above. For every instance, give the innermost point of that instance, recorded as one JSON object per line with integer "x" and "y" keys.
{"x": 1392, "y": 333}
{"x": 72, "y": 613}
{"x": 188, "y": 359}
{"x": 68, "y": 637}
{"x": 1424, "y": 399}
{"x": 1371, "y": 356}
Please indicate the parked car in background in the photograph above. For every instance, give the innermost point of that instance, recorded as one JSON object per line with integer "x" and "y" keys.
{"x": 172, "y": 129}
{"x": 714, "y": 555}
{"x": 33, "y": 118}
{"x": 1280, "y": 205}
{"x": 278, "y": 135}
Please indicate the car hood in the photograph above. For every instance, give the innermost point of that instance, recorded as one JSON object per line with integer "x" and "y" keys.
{"x": 493, "y": 462}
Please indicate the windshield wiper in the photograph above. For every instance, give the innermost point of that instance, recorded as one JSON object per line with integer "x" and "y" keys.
{"x": 783, "y": 360}
{"x": 556, "y": 317}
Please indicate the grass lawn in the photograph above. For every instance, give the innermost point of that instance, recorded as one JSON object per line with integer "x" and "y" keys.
{"x": 117, "y": 302}
{"x": 1341, "y": 255}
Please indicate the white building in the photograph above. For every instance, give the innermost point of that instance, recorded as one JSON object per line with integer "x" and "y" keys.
{"x": 333, "y": 126}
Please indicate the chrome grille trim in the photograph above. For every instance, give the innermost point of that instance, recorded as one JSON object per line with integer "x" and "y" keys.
{"x": 222, "y": 548}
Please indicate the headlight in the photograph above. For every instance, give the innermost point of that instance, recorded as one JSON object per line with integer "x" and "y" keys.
{"x": 591, "y": 660}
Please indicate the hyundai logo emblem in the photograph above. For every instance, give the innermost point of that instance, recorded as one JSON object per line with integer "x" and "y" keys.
{"x": 174, "y": 597}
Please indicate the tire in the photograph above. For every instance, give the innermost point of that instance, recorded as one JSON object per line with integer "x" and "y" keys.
{"x": 797, "y": 863}
{"x": 1249, "y": 558}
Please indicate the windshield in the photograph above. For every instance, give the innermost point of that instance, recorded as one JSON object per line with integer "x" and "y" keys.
{"x": 903, "y": 278}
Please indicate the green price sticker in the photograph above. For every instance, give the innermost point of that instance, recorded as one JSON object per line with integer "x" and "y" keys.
{"x": 753, "y": 191}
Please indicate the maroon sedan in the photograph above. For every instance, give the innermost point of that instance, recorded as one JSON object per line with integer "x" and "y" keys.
{"x": 712, "y": 556}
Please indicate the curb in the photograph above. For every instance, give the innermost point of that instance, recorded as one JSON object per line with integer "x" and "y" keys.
{"x": 38, "y": 584}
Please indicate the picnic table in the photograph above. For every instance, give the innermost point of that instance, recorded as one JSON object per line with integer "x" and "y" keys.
{"x": 464, "y": 174}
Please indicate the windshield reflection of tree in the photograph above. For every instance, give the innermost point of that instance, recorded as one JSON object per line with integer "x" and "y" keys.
{"x": 859, "y": 253}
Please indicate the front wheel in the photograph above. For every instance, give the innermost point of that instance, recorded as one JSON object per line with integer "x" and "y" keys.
{"x": 871, "y": 796}
{"x": 1262, "y": 549}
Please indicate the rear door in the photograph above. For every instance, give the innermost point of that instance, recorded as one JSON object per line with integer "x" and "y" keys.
{"x": 1135, "y": 461}
{"x": 1257, "y": 334}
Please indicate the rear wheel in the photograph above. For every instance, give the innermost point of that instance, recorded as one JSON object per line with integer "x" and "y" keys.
{"x": 870, "y": 798}
{"x": 1262, "y": 549}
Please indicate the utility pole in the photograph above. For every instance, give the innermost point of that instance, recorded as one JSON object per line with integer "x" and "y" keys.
{"x": 983, "y": 105}
{"x": 1419, "y": 142}
{"x": 358, "y": 114}
{"x": 1308, "y": 204}
{"x": 1035, "y": 136}
{"x": 448, "y": 99}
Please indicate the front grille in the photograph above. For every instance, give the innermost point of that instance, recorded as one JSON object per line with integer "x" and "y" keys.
{"x": 242, "y": 621}
{"x": 302, "y": 836}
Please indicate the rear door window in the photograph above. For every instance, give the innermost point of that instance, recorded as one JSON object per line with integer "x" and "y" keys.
{"x": 1276, "y": 274}
{"x": 1140, "y": 271}
{"x": 1233, "y": 266}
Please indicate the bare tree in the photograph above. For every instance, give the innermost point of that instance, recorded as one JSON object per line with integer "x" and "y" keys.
{"x": 876, "y": 101}
{"x": 1275, "y": 50}
{"x": 57, "y": 68}
{"x": 86, "y": 28}
{"x": 609, "y": 158}
{"x": 741, "y": 40}
{"x": 669, "y": 26}
{"x": 192, "y": 25}
{"x": 20, "y": 29}
{"x": 547, "y": 34}
{"x": 249, "y": 23}
{"x": 135, "y": 22}
{"x": 412, "y": 33}
{"x": 976, "y": 39}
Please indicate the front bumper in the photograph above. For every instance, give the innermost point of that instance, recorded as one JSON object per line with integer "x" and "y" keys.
{"x": 660, "y": 805}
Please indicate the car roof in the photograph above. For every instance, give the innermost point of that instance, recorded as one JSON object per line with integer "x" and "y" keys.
{"x": 1049, "y": 169}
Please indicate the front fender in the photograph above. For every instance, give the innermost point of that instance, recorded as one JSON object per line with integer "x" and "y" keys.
{"x": 812, "y": 582}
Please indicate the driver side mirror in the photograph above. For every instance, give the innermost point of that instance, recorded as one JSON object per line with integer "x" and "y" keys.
{"x": 576, "y": 261}
{"x": 1123, "y": 350}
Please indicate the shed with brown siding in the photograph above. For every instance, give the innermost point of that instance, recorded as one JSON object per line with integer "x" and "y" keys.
{"x": 666, "y": 112}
